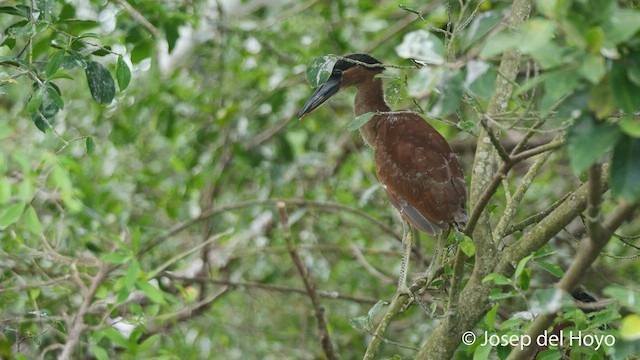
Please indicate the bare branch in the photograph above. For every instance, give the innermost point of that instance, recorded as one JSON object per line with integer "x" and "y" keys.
{"x": 309, "y": 284}
{"x": 78, "y": 325}
{"x": 276, "y": 288}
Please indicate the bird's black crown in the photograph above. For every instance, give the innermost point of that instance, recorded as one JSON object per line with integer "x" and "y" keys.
{"x": 344, "y": 64}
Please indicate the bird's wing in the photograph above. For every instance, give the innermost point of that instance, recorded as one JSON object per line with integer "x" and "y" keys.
{"x": 421, "y": 174}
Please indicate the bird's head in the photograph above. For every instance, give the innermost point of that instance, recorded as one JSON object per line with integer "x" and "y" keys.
{"x": 348, "y": 71}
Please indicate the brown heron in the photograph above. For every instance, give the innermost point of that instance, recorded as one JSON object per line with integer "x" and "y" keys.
{"x": 414, "y": 163}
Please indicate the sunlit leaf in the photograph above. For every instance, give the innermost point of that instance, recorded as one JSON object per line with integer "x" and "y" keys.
{"x": 123, "y": 74}
{"x": 625, "y": 296}
{"x": 630, "y": 327}
{"x": 498, "y": 279}
{"x": 422, "y": 46}
{"x": 424, "y": 81}
{"x": 479, "y": 27}
{"x": 359, "y": 121}
{"x": 156, "y": 295}
{"x": 480, "y": 78}
{"x": 630, "y": 126}
{"x": 536, "y": 34}
{"x": 545, "y": 301}
{"x": 622, "y": 25}
{"x": 553, "y": 269}
{"x": 319, "y": 70}
{"x": 11, "y": 214}
{"x": 31, "y": 220}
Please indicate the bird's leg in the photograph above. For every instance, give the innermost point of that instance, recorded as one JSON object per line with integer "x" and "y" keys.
{"x": 435, "y": 260}
{"x": 407, "y": 239}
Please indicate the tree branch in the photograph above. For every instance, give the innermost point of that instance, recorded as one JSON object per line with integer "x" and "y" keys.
{"x": 325, "y": 340}
{"x": 78, "y": 325}
{"x": 587, "y": 254}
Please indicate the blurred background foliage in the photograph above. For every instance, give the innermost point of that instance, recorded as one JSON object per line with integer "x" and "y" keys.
{"x": 155, "y": 136}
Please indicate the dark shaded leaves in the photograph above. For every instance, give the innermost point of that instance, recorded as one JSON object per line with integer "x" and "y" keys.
{"x": 101, "y": 84}
{"x": 625, "y": 169}
{"x": 588, "y": 140}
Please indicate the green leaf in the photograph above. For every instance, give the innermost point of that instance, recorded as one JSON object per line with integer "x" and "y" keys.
{"x": 115, "y": 336}
{"x": 625, "y": 169}
{"x": 149, "y": 343}
{"x": 359, "y": 121}
{"x": 117, "y": 258}
{"x": 498, "y": 279}
{"x": 593, "y": 68}
{"x": 536, "y": 34}
{"x": 53, "y": 93}
{"x": 36, "y": 99}
{"x": 423, "y": 47}
{"x": 630, "y": 126}
{"x": 5, "y": 190}
{"x": 359, "y": 323}
{"x": 625, "y": 92}
{"x": 123, "y": 74}
{"x": 482, "y": 352}
{"x": 375, "y": 310}
{"x": 99, "y": 352}
{"x": 588, "y": 139}
{"x": 622, "y": 25}
{"x": 549, "y": 300}
{"x": 424, "y": 81}
{"x": 153, "y": 293}
{"x": 319, "y": 70}
{"x": 90, "y": 145}
{"x": 479, "y": 27}
{"x": 132, "y": 274}
{"x": 450, "y": 94}
{"x": 499, "y": 43}
{"x": 11, "y": 214}
{"x": 491, "y": 316}
{"x": 553, "y": 269}
{"x": 54, "y": 63}
{"x": 31, "y": 219}
{"x": 625, "y": 296}
{"x": 521, "y": 266}
{"x": 556, "y": 88}
{"x": 19, "y": 10}
{"x": 467, "y": 246}
{"x": 480, "y": 78}
{"x": 48, "y": 109}
{"x": 101, "y": 84}
{"x": 630, "y": 327}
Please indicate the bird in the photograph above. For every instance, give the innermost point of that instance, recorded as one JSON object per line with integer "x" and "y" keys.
{"x": 417, "y": 168}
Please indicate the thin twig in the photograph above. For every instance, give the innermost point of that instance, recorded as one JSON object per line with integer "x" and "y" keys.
{"x": 139, "y": 17}
{"x": 587, "y": 254}
{"x": 276, "y": 288}
{"x": 309, "y": 284}
{"x": 78, "y": 324}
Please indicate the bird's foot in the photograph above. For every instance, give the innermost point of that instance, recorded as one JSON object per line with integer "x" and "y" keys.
{"x": 403, "y": 290}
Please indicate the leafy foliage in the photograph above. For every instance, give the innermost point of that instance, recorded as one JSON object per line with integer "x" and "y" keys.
{"x": 169, "y": 181}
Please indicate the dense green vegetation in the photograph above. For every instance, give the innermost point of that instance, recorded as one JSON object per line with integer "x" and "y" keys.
{"x": 159, "y": 199}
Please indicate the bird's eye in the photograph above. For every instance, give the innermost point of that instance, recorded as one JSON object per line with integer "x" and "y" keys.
{"x": 336, "y": 72}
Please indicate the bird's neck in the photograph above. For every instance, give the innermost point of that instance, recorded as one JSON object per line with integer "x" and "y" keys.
{"x": 370, "y": 98}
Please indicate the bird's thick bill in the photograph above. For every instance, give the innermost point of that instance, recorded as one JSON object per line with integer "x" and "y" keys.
{"x": 322, "y": 94}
